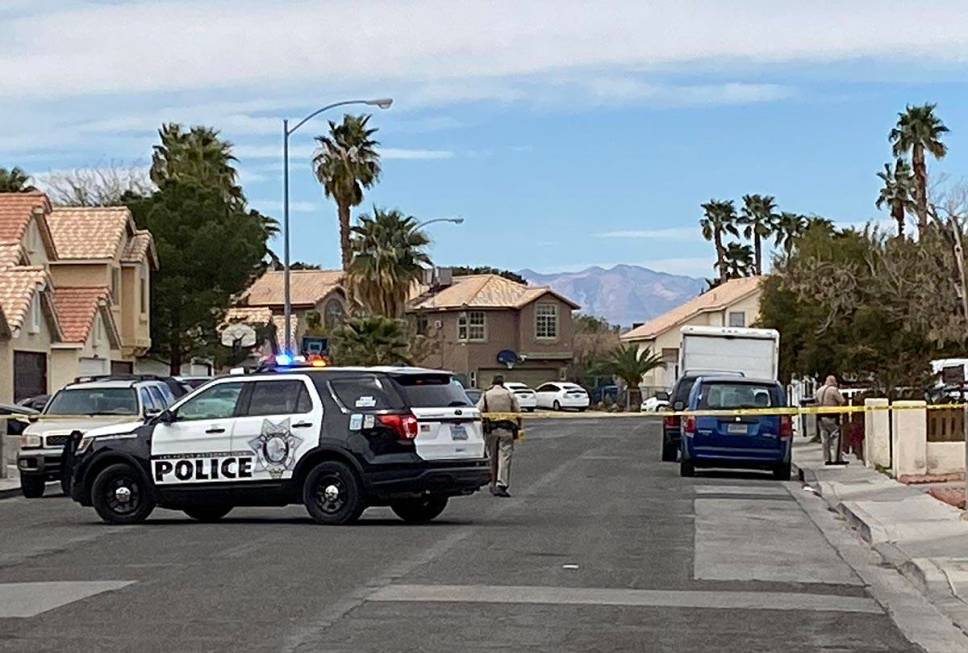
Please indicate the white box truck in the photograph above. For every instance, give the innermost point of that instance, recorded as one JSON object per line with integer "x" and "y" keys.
{"x": 753, "y": 352}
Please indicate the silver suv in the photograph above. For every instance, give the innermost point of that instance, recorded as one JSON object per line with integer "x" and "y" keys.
{"x": 75, "y": 409}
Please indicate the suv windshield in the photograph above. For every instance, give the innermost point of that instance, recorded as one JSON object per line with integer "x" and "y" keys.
{"x": 431, "y": 390}
{"x": 738, "y": 395}
{"x": 94, "y": 401}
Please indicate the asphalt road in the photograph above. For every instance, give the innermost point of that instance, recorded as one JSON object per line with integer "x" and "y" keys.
{"x": 601, "y": 548}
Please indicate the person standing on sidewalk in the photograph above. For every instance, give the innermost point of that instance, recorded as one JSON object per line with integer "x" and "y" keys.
{"x": 829, "y": 395}
{"x": 500, "y": 434}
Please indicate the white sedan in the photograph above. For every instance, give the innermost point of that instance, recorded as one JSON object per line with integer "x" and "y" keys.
{"x": 656, "y": 403}
{"x": 561, "y": 395}
{"x": 525, "y": 395}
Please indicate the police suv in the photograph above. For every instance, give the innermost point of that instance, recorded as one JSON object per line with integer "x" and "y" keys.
{"x": 337, "y": 440}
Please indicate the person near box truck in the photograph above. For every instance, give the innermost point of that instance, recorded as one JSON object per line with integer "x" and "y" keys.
{"x": 829, "y": 395}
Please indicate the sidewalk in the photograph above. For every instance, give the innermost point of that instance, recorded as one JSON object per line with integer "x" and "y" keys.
{"x": 923, "y": 538}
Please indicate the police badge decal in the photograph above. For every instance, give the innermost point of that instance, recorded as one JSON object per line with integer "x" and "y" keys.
{"x": 276, "y": 447}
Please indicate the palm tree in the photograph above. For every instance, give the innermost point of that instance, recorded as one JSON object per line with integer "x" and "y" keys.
{"x": 197, "y": 156}
{"x": 789, "y": 227}
{"x": 719, "y": 218}
{"x": 759, "y": 222}
{"x": 919, "y": 130}
{"x": 898, "y": 192}
{"x": 388, "y": 257}
{"x": 630, "y": 363}
{"x": 371, "y": 340}
{"x": 14, "y": 180}
{"x": 739, "y": 261}
{"x": 346, "y": 164}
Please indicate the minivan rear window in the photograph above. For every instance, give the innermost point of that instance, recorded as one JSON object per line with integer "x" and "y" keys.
{"x": 739, "y": 395}
{"x": 431, "y": 390}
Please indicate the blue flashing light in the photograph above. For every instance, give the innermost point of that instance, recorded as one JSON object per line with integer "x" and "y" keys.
{"x": 283, "y": 359}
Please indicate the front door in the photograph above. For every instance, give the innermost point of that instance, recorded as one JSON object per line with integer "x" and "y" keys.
{"x": 280, "y": 422}
{"x": 196, "y": 447}
{"x": 29, "y": 374}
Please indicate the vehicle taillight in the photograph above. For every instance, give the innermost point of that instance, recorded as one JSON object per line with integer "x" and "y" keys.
{"x": 690, "y": 426}
{"x": 786, "y": 427}
{"x": 672, "y": 421}
{"x": 405, "y": 426}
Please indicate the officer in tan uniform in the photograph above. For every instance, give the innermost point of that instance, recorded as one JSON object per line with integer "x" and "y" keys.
{"x": 829, "y": 395}
{"x": 500, "y": 434}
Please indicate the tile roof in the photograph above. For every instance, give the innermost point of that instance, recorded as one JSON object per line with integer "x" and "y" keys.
{"x": 305, "y": 287}
{"x": 76, "y": 309}
{"x": 17, "y": 289}
{"x": 483, "y": 291}
{"x": 89, "y": 232}
{"x": 253, "y": 316}
{"x": 11, "y": 254}
{"x": 16, "y": 210}
{"x": 712, "y": 300}
{"x": 140, "y": 245}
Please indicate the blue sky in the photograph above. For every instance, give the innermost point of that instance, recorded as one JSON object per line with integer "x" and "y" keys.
{"x": 566, "y": 134}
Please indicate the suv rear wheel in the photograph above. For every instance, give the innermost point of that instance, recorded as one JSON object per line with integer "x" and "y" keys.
{"x": 33, "y": 486}
{"x": 207, "y": 513}
{"x": 420, "y": 510}
{"x": 120, "y": 496}
{"x": 782, "y": 472}
{"x": 686, "y": 468}
{"x": 332, "y": 494}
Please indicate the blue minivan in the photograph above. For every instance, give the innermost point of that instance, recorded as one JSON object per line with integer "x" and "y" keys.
{"x": 738, "y": 441}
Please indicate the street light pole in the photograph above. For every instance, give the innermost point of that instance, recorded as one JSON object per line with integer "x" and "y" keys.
{"x": 426, "y": 222}
{"x": 383, "y": 103}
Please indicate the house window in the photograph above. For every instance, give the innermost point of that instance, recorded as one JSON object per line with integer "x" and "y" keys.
{"x": 35, "y": 314}
{"x": 737, "y": 319}
{"x": 423, "y": 325}
{"x": 144, "y": 290}
{"x": 471, "y": 327}
{"x": 546, "y": 321}
{"x": 115, "y": 286}
{"x": 333, "y": 314}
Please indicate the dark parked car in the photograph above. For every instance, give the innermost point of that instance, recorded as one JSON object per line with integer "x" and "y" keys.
{"x": 736, "y": 441}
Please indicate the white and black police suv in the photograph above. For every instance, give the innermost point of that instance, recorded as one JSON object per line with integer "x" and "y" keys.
{"x": 337, "y": 440}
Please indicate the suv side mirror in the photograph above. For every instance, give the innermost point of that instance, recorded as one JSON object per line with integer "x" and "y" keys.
{"x": 164, "y": 416}
{"x": 679, "y": 405}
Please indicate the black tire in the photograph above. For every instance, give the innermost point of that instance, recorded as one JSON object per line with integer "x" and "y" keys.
{"x": 207, "y": 513}
{"x": 669, "y": 451}
{"x": 120, "y": 495}
{"x": 333, "y": 494}
{"x": 33, "y": 487}
{"x": 419, "y": 511}
{"x": 782, "y": 472}
{"x": 582, "y": 410}
{"x": 686, "y": 468}
{"x": 65, "y": 484}
{"x": 556, "y": 405}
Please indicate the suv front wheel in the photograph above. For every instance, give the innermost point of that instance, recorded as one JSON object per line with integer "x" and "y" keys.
{"x": 420, "y": 510}
{"x": 332, "y": 494}
{"x": 32, "y": 486}
{"x": 120, "y": 496}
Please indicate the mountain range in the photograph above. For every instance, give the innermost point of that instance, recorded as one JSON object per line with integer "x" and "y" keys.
{"x": 623, "y": 294}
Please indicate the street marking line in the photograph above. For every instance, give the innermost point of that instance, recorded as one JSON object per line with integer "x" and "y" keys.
{"x": 31, "y": 599}
{"x": 624, "y": 597}
{"x": 764, "y": 490}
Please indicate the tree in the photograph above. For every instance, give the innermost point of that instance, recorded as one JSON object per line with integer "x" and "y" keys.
{"x": 594, "y": 338}
{"x": 14, "y": 180}
{"x": 208, "y": 249}
{"x": 789, "y": 227}
{"x": 719, "y": 218}
{"x": 371, "y": 340}
{"x": 111, "y": 185}
{"x": 388, "y": 257}
{"x": 196, "y": 156}
{"x": 738, "y": 261}
{"x": 918, "y": 131}
{"x": 346, "y": 164}
{"x": 759, "y": 223}
{"x": 898, "y": 192}
{"x": 630, "y": 364}
{"x": 463, "y": 270}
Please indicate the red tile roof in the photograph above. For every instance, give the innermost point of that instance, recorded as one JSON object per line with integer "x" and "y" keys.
{"x": 17, "y": 289}
{"x": 483, "y": 291}
{"x": 76, "y": 308}
{"x": 306, "y": 287}
{"x": 140, "y": 246}
{"x": 89, "y": 232}
{"x": 16, "y": 210}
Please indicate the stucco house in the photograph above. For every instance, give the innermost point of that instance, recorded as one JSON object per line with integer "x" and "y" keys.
{"x": 734, "y": 303}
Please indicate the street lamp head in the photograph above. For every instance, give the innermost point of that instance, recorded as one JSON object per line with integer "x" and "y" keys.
{"x": 458, "y": 220}
{"x": 383, "y": 103}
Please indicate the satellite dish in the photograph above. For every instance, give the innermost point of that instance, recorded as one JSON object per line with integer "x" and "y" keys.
{"x": 238, "y": 335}
{"x": 508, "y": 358}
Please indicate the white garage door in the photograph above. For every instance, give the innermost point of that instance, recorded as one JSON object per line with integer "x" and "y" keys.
{"x": 92, "y": 366}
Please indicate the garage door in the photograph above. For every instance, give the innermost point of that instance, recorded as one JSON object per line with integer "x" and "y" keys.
{"x": 29, "y": 374}
{"x": 532, "y": 377}
{"x": 92, "y": 366}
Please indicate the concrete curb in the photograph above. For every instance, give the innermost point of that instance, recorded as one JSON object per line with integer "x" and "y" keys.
{"x": 9, "y": 493}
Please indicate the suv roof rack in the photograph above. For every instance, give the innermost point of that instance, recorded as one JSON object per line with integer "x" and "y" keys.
{"x": 89, "y": 378}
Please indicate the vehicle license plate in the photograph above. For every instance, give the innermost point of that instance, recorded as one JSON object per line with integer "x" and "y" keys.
{"x": 458, "y": 432}
{"x": 736, "y": 429}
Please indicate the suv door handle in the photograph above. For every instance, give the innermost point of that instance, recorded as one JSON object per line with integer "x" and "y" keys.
{"x": 302, "y": 425}
{"x": 215, "y": 429}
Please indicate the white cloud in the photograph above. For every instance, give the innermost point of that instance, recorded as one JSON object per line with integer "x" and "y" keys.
{"x": 669, "y": 233}
{"x": 94, "y": 48}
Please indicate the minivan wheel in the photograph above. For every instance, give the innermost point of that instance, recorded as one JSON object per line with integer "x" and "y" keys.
{"x": 207, "y": 513}
{"x": 686, "y": 468}
{"x": 119, "y": 495}
{"x": 556, "y": 405}
{"x": 33, "y": 487}
{"x": 420, "y": 510}
{"x": 782, "y": 472}
{"x": 332, "y": 494}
